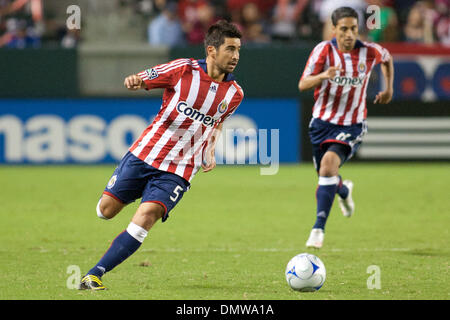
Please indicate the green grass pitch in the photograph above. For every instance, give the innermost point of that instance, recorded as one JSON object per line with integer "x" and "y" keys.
{"x": 231, "y": 236}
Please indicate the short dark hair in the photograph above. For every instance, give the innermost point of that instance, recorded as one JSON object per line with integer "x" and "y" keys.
{"x": 219, "y": 31}
{"x": 343, "y": 12}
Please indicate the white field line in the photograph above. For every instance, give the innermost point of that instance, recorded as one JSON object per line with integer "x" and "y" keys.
{"x": 234, "y": 250}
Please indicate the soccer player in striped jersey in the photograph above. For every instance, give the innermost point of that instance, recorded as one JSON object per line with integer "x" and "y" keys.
{"x": 158, "y": 168}
{"x": 338, "y": 71}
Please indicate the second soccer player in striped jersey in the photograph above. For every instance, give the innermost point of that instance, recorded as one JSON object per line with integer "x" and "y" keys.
{"x": 338, "y": 71}
{"x": 199, "y": 95}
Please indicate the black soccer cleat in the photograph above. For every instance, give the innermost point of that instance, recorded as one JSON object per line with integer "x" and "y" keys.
{"x": 91, "y": 282}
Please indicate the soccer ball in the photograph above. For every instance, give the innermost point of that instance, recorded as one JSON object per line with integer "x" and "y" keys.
{"x": 305, "y": 272}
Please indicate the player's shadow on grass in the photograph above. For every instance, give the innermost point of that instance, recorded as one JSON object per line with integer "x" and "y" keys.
{"x": 426, "y": 252}
{"x": 210, "y": 287}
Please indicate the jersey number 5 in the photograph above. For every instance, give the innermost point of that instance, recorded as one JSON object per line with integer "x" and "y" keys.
{"x": 176, "y": 191}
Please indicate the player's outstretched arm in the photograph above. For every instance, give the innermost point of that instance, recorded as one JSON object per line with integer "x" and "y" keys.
{"x": 134, "y": 82}
{"x": 313, "y": 81}
{"x": 387, "y": 69}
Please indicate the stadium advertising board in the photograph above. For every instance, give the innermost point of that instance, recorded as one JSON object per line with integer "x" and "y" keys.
{"x": 421, "y": 72}
{"x": 89, "y": 131}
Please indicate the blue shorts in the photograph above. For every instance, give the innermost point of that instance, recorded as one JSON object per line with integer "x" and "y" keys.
{"x": 134, "y": 179}
{"x": 324, "y": 135}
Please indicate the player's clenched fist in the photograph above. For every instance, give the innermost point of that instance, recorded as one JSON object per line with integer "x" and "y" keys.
{"x": 133, "y": 82}
{"x": 331, "y": 72}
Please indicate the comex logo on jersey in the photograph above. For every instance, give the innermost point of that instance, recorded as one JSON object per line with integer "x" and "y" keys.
{"x": 195, "y": 114}
{"x": 351, "y": 81}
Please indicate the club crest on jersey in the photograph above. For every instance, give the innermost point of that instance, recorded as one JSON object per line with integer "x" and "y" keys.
{"x": 194, "y": 114}
{"x": 361, "y": 67}
{"x": 112, "y": 181}
{"x": 151, "y": 73}
{"x": 223, "y": 106}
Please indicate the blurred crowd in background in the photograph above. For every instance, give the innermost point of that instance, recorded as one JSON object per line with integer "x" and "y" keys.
{"x": 39, "y": 23}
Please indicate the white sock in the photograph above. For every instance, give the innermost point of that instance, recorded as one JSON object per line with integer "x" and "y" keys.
{"x": 137, "y": 232}
{"x": 327, "y": 181}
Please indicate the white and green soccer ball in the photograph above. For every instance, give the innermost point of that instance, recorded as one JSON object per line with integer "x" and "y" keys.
{"x": 305, "y": 272}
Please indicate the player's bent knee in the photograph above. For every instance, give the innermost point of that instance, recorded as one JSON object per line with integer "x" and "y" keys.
{"x": 99, "y": 211}
{"x": 329, "y": 166}
{"x": 154, "y": 211}
{"x": 328, "y": 170}
{"x": 107, "y": 207}
{"x": 148, "y": 214}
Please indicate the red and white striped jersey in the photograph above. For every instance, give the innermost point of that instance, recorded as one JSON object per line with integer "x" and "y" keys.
{"x": 342, "y": 100}
{"x": 193, "y": 106}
